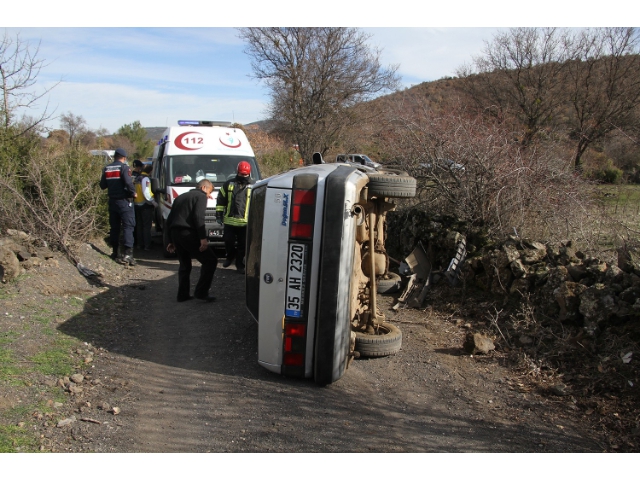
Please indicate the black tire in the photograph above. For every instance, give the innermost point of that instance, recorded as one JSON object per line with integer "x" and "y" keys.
{"x": 392, "y": 186}
{"x": 389, "y": 285}
{"x": 388, "y": 342}
{"x": 166, "y": 241}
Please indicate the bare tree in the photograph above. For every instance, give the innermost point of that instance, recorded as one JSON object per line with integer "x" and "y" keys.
{"x": 467, "y": 166}
{"x": 315, "y": 75}
{"x": 53, "y": 193}
{"x": 521, "y": 73}
{"x": 603, "y": 85}
{"x": 74, "y": 125}
{"x": 19, "y": 70}
{"x": 585, "y": 83}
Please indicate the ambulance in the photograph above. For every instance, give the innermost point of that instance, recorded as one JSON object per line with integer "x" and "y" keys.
{"x": 192, "y": 151}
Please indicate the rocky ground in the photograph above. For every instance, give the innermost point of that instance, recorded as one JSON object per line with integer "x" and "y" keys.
{"x": 114, "y": 364}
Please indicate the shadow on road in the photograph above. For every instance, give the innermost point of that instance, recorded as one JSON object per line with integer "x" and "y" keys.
{"x": 201, "y": 388}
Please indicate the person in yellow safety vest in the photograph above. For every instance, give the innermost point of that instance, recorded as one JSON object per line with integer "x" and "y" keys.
{"x": 232, "y": 210}
{"x": 144, "y": 208}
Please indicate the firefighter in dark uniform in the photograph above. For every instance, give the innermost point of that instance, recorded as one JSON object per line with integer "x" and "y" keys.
{"x": 232, "y": 210}
{"x": 116, "y": 177}
{"x": 189, "y": 240}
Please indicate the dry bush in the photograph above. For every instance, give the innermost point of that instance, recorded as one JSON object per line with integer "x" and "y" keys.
{"x": 470, "y": 167}
{"x": 272, "y": 153}
{"x": 53, "y": 194}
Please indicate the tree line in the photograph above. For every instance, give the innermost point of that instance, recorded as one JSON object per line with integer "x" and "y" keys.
{"x": 535, "y": 107}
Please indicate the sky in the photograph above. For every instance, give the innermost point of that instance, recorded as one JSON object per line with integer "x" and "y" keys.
{"x": 159, "y": 62}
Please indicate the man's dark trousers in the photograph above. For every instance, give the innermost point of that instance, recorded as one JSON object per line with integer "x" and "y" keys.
{"x": 144, "y": 217}
{"x": 187, "y": 246}
{"x": 231, "y": 235}
{"x": 121, "y": 212}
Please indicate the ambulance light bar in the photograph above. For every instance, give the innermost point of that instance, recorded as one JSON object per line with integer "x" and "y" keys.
{"x": 203, "y": 123}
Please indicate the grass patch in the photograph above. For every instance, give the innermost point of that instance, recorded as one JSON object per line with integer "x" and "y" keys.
{"x": 16, "y": 439}
{"x": 7, "y": 338}
{"x": 8, "y": 366}
{"x": 55, "y": 360}
{"x": 621, "y": 200}
{"x": 41, "y": 319}
{"x": 76, "y": 302}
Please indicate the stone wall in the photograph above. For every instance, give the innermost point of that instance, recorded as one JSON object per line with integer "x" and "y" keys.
{"x": 562, "y": 282}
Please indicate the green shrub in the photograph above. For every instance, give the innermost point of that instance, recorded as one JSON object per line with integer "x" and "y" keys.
{"x": 606, "y": 174}
{"x": 277, "y": 161}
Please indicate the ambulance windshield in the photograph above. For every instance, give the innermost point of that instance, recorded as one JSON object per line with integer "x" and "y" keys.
{"x": 190, "y": 169}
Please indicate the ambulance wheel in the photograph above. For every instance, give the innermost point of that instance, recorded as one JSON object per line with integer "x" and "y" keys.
{"x": 387, "y": 342}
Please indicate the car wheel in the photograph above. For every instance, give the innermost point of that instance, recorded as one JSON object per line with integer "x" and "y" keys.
{"x": 392, "y": 186}
{"x": 387, "y": 342}
{"x": 390, "y": 284}
{"x": 166, "y": 241}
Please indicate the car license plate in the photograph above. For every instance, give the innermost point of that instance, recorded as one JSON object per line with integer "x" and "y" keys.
{"x": 296, "y": 269}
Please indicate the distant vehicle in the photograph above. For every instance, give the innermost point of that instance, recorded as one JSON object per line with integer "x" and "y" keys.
{"x": 315, "y": 246}
{"x": 444, "y": 164}
{"x": 359, "y": 158}
{"x": 192, "y": 151}
{"x": 106, "y": 155}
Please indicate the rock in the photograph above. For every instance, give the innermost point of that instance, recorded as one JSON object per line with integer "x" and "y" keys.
{"x": 629, "y": 258}
{"x": 23, "y": 255}
{"x": 77, "y": 378}
{"x": 17, "y": 233}
{"x": 66, "y": 421}
{"x": 104, "y": 406}
{"x": 525, "y": 340}
{"x": 534, "y": 255}
{"x": 567, "y": 254}
{"x": 520, "y": 286}
{"x": 75, "y": 390}
{"x": 32, "y": 263}
{"x": 52, "y": 262}
{"x": 115, "y": 410}
{"x": 567, "y": 296}
{"x": 518, "y": 269}
{"x": 478, "y": 343}
{"x": 511, "y": 252}
{"x": 630, "y": 295}
{"x": 577, "y": 272}
{"x": 614, "y": 274}
{"x": 559, "y": 389}
{"x": 597, "y": 304}
{"x": 9, "y": 265}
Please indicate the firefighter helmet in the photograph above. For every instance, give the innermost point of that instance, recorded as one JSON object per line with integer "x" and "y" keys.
{"x": 244, "y": 169}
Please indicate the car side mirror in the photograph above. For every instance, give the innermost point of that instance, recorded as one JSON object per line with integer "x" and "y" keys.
{"x": 317, "y": 158}
{"x": 155, "y": 188}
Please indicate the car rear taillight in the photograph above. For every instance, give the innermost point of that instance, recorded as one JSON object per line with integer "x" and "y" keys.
{"x": 303, "y": 207}
{"x": 294, "y": 341}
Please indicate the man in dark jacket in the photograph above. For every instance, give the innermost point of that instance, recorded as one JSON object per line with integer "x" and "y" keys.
{"x": 116, "y": 177}
{"x": 189, "y": 240}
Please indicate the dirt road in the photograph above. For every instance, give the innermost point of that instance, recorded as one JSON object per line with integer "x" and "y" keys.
{"x": 186, "y": 378}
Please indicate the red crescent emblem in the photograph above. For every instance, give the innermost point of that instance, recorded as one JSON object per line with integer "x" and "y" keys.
{"x": 178, "y": 142}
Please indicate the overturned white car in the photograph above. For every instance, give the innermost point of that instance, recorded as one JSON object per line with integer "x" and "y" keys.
{"x": 315, "y": 250}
